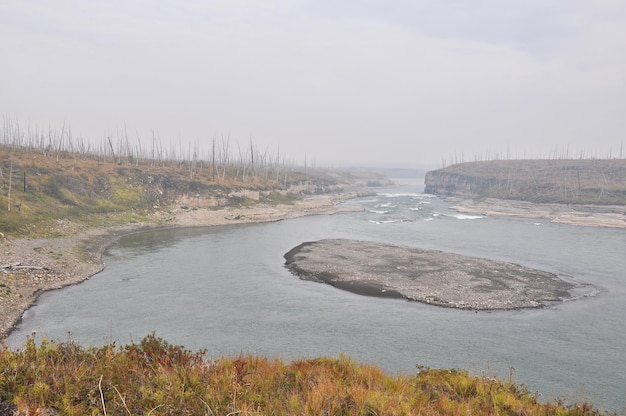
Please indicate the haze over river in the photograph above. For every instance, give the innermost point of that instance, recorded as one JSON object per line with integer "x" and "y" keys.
{"x": 225, "y": 289}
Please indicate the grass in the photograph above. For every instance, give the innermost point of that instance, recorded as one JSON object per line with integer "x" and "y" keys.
{"x": 45, "y": 190}
{"x": 276, "y": 198}
{"x": 39, "y": 192}
{"x": 153, "y": 377}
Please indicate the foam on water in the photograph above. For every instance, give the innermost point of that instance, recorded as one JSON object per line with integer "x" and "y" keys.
{"x": 468, "y": 217}
{"x": 401, "y": 195}
{"x": 387, "y": 221}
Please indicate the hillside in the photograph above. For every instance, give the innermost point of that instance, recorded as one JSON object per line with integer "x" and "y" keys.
{"x": 560, "y": 181}
{"x": 39, "y": 189}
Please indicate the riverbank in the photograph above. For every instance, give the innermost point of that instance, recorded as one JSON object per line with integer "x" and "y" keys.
{"x": 573, "y": 214}
{"x": 29, "y": 267}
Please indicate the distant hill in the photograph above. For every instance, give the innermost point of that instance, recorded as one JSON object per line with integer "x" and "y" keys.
{"x": 566, "y": 181}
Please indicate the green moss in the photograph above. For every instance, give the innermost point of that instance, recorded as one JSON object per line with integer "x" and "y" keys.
{"x": 277, "y": 198}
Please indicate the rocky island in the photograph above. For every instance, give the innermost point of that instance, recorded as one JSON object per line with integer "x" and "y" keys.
{"x": 433, "y": 277}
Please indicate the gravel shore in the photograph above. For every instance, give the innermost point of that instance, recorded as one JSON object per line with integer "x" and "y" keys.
{"x": 573, "y": 214}
{"x": 29, "y": 266}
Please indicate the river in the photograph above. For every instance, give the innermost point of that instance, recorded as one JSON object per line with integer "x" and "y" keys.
{"x": 225, "y": 289}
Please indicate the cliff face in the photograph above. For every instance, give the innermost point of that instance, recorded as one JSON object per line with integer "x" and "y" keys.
{"x": 546, "y": 181}
{"x": 443, "y": 183}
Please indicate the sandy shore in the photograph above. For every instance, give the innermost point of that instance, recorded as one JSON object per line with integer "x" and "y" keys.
{"x": 29, "y": 267}
{"x": 585, "y": 215}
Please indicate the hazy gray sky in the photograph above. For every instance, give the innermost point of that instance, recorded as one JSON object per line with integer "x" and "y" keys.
{"x": 404, "y": 81}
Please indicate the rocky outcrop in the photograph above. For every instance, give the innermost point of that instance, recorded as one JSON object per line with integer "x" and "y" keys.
{"x": 443, "y": 183}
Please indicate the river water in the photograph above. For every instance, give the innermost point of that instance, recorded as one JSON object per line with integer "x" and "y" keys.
{"x": 225, "y": 289}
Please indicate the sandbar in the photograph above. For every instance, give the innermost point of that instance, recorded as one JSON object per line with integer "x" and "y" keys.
{"x": 432, "y": 277}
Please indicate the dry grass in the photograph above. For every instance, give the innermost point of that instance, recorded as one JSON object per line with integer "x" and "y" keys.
{"x": 157, "y": 378}
{"x": 37, "y": 190}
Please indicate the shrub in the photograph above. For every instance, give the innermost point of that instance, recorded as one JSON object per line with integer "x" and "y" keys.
{"x": 158, "y": 378}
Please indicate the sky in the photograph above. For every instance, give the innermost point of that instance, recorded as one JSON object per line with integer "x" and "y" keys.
{"x": 408, "y": 83}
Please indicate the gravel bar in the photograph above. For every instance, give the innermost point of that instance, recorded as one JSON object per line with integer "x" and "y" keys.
{"x": 433, "y": 277}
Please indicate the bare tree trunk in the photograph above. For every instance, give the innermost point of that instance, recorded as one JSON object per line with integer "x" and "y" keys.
{"x": 111, "y": 146}
{"x": 225, "y": 156}
{"x": 252, "y": 158}
{"x": 10, "y": 179}
{"x": 213, "y": 158}
{"x": 60, "y": 146}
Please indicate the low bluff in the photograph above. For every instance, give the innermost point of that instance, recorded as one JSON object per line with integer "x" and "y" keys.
{"x": 586, "y": 181}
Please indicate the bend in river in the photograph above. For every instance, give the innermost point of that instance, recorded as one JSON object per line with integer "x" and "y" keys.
{"x": 226, "y": 289}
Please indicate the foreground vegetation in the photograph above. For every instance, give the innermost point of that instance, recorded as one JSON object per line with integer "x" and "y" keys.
{"x": 153, "y": 377}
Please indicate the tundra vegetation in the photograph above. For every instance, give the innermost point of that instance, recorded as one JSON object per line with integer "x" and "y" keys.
{"x": 153, "y": 377}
